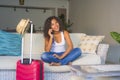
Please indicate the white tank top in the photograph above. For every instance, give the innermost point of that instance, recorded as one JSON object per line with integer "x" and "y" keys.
{"x": 58, "y": 47}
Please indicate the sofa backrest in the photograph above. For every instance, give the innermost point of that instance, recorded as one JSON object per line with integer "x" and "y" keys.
{"x": 38, "y": 42}
{"x": 75, "y": 37}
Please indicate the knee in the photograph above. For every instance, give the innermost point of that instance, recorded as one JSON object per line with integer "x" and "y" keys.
{"x": 44, "y": 56}
{"x": 78, "y": 51}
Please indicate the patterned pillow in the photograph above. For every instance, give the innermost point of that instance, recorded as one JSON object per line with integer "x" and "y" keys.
{"x": 88, "y": 44}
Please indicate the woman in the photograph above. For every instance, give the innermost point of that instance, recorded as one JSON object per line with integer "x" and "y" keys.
{"x": 56, "y": 38}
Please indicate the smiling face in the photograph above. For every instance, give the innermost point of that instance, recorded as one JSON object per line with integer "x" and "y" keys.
{"x": 55, "y": 25}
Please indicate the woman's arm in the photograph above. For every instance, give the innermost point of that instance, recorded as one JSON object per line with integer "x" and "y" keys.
{"x": 48, "y": 42}
{"x": 69, "y": 44}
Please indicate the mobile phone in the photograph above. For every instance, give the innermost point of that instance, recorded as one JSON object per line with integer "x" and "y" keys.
{"x": 52, "y": 32}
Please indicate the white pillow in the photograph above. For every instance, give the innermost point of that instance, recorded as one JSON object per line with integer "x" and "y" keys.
{"x": 75, "y": 37}
{"x": 88, "y": 44}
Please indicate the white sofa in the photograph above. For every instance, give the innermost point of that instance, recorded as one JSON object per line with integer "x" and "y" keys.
{"x": 9, "y": 62}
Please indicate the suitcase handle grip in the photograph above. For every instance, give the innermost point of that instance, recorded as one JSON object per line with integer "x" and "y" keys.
{"x": 30, "y": 51}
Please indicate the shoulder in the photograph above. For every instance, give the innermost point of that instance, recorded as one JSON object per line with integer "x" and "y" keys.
{"x": 66, "y": 33}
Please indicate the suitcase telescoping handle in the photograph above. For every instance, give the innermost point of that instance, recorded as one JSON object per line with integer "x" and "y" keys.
{"x": 30, "y": 51}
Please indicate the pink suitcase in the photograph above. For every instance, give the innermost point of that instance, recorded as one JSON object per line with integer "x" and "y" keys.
{"x": 27, "y": 68}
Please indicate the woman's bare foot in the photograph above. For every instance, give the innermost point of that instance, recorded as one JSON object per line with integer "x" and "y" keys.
{"x": 54, "y": 64}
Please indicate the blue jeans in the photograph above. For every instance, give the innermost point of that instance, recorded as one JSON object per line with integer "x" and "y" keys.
{"x": 73, "y": 55}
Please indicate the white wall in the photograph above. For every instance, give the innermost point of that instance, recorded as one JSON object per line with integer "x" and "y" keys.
{"x": 41, "y": 3}
{"x": 97, "y": 17}
{"x": 10, "y": 18}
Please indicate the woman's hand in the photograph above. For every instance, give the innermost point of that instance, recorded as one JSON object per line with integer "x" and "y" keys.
{"x": 57, "y": 56}
{"x": 50, "y": 32}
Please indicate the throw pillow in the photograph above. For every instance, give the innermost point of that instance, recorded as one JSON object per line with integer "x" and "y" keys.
{"x": 10, "y": 44}
{"x": 75, "y": 37}
{"x": 88, "y": 44}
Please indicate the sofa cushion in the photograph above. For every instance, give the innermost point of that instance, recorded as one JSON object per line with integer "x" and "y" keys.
{"x": 38, "y": 43}
{"x": 102, "y": 52}
{"x": 84, "y": 59}
{"x": 75, "y": 37}
{"x": 88, "y": 44}
{"x": 87, "y": 59}
{"x": 8, "y": 62}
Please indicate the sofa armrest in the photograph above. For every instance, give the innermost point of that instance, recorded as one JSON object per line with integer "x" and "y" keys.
{"x": 102, "y": 52}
